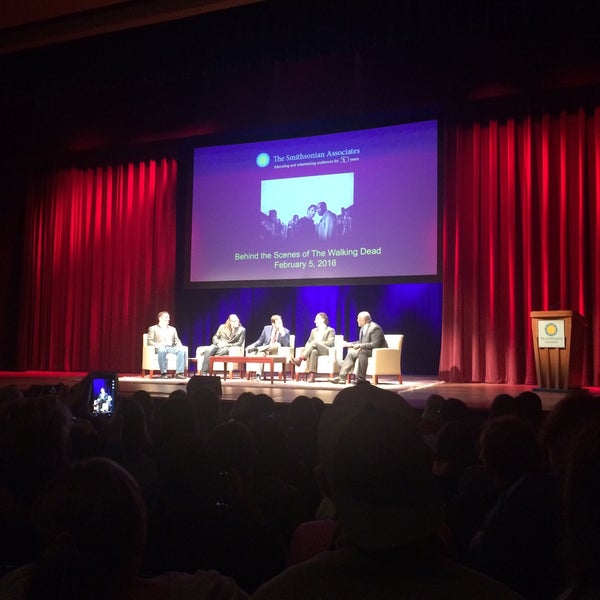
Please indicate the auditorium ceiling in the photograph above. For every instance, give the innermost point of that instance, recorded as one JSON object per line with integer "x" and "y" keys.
{"x": 25, "y": 25}
{"x": 105, "y": 73}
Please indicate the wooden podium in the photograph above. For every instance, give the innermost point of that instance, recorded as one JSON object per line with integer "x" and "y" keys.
{"x": 558, "y": 363}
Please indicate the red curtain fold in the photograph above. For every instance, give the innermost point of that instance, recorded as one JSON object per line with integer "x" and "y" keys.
{"x": 100, "y": 254}
{"x": 520, "y": 233}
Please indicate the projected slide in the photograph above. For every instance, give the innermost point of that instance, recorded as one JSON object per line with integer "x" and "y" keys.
{"x": 348, "y": 207}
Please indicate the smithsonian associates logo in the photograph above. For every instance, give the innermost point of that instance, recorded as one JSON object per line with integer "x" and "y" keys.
{"x": 263, "y": 159}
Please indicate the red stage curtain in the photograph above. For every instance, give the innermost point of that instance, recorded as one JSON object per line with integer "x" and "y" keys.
{"x": 521, "y": 232}
{"x": 100, "y": 254}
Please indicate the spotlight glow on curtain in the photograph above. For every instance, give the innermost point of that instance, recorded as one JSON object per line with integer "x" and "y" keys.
{"x": 521, "y": 233}
{"x": 100, "y": 248}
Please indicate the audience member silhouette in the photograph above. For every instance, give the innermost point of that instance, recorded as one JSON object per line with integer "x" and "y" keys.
{"x": 302, "y": 426}
{"x": 225, "y": 532}
{"x": 528, "y": 406}
{"x": 379, "y": 471}
{"x": 563, "y": 423}
{"x": 519, "y": 542}
{"x": 94, "y": 524}
{"x": 454, "y": 409}
{"x": 206, "y": 405}
{"x": 149, "y": 404}
{"x": 135, "y": 451}
{"x": 232, "y": 454}
{"x": 301, "y": 430}
{"x": 431, "y": 417}
{"x": 180, "y": 455}
{"x": 279, "y": 479}
{"x": 508, "y": 451}
{"x": 249, "y": 408}
{"x": 454, "y": 452}
{"x": 135, "y": 438}
{"x": 10, "y": 393}
{"x": 86, "y": 439}
{"x": 34, "y": 447}
{"x": 582, "y": 514}
{"x": 502, "y": 404}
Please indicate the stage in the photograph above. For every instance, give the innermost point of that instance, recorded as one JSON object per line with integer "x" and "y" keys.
{"x": 414, "y": 389}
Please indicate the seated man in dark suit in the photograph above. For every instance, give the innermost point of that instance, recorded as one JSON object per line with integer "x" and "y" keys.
{"x": 272, "y": 337}
{"x": 371, "y": 336}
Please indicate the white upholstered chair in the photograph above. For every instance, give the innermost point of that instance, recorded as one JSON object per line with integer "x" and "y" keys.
{"x": 150, "y": 358}
{"x": 327, "y": 364}
{"x": 218, "y": 365}
{"x": 386, "y": 361}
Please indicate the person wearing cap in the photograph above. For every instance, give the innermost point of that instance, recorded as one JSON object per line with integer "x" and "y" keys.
{"x": 371, "y": 336}
{"x": 378, "y": 473}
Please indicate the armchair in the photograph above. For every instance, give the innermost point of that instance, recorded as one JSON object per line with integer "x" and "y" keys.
{"x": 386, "y": 361}
{"x": 328, "y": 363}
{"x": 218, "y": 365}
{"x": 150, "y": 358}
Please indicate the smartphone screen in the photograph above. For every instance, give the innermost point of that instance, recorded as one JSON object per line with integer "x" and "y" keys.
{"x": 102, "y": 393}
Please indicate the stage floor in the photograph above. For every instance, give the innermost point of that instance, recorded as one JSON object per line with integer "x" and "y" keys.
{"x": 415, "y": 389}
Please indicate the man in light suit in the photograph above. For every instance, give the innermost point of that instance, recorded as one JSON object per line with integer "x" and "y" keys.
{"x": 272, "y": 337}
{"x": 371, "y": 336}
{"x": 164, "y": 337}
{"x": 321, "y": 338}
